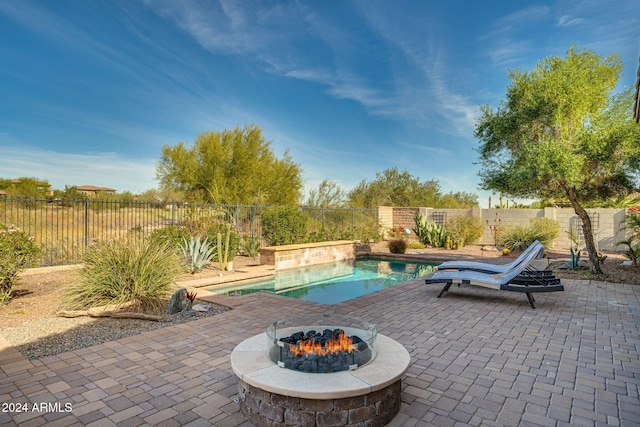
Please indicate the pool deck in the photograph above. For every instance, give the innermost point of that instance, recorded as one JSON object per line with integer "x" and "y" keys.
{"x": 478, "y": 357}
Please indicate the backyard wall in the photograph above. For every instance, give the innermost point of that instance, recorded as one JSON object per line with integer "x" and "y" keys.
{"x": 605, "y": 222}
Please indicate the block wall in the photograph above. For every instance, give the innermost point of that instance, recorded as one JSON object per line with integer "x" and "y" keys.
{"x": 606, "y": 222}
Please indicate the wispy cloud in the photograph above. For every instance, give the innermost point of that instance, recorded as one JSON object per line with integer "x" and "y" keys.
{"x": 568, "y": 20}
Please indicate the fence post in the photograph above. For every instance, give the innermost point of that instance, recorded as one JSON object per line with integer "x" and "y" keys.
{"x": 86, "y": 222}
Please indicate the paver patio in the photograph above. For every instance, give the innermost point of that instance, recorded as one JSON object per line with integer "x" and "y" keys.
{"x": 478, "y": 357}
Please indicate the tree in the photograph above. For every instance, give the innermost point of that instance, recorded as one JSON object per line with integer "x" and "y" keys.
{"x": 26, "y": 187}
{"x": 327, "y": 195}
{"x": 460, "y": 199}
{"x": 394, "y": 188}
{"x": 229, "y": 167}
{"x": 562, "y": 133}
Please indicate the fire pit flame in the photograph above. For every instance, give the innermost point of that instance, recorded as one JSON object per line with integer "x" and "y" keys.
{"x": 342, "y": 343}
{"x": 334, "y": 345}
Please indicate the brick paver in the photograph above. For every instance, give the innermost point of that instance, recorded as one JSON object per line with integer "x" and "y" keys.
{"x": 478, "y": 357}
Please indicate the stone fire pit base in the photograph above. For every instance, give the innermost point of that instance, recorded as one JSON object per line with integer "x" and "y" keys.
{"x": 273, "y": 396}
{"x": 263, "y": 408}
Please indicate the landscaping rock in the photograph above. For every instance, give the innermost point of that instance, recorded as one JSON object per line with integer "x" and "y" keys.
{"x": 179, "y": 302}
{"x": 201, "y": 307}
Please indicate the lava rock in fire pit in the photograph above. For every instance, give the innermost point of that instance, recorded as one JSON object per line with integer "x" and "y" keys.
{"x": 323, "y": 352}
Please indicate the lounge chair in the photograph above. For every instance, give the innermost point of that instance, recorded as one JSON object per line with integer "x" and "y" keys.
{"x": 529, "y": 274}
{"x": 484, "y": 267}
{"x": 511, "y": 280}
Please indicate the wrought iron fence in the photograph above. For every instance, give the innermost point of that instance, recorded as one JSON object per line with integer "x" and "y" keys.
{"x": 65, "y": 228}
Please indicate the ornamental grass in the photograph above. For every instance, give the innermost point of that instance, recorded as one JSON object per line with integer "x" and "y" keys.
{"x": 131, "y": 271}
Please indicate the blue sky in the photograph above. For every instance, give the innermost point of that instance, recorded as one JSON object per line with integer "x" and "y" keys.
{"x": 91, "y": 90}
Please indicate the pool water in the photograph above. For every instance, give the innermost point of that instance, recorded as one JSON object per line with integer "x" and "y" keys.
{"x": 333, "y": 282}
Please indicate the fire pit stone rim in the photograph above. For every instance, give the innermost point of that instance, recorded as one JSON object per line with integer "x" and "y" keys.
{"x": 252, "y": 365}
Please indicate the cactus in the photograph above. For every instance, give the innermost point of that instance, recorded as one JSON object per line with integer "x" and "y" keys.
{"x": 223, "y": 252}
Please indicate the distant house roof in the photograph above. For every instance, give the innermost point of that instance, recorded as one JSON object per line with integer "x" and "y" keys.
{"x": 636, "y": 100}
{"x": 93, "y": 188}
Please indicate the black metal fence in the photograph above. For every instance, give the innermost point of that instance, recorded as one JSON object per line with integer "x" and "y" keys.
{"x": 64, "y": 228}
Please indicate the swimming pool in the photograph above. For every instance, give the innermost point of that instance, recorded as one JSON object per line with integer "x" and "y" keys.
{"x": 334, "y": 282}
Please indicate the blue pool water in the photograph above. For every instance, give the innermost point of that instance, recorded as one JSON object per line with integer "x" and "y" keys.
{"x": 334, "y": 282}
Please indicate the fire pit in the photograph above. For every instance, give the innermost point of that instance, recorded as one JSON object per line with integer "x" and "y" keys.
{"x": 321, "y": 344}
{"x": 280, "y": 387}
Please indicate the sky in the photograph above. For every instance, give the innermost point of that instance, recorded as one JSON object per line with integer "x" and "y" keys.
{"x": 91, "y": 90}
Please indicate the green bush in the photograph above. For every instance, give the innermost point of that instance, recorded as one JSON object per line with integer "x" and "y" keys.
{"x": 284, "y": 226}
{"x": 118, "y": 272}
{"x": 397, "y": 246}
{"x": 468, "y": 229}
{"x": 519, "y": 237}
{"x": 17, "y": 252}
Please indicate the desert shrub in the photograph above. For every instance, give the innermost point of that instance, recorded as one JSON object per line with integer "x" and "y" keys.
{"x": 284, "y": 226}
{"x": 519, "y": 237}
{"x": 397, "y": 246}
{"x": 546, "y": 230}
{"x": 631, "y": 226}
{"x": 118, "y": 272}
{"x": 468, "y": 229}
{"x": 173, "y": 234}
{"x": 416, "y": 245}
{"x": 17, "y": 252}
{"x": 362, "y": 233}
{"x": 250, "y": 245}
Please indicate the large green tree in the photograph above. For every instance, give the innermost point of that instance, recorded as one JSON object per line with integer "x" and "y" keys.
{"x": 562, "y": 132}
{"x": 394, "y": 188}
{"x": 229, "y": 167}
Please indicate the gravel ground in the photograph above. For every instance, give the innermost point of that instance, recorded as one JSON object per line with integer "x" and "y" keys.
{"x": 29, "y": 321}
{"x": 48, "y": 336}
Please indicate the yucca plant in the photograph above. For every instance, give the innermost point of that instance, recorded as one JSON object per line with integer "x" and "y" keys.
{"x": 128, "y": 271}
{"x": 197, "y": 253}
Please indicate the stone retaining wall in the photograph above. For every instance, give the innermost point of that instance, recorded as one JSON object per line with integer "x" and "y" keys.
{"x": 303, "y": 255}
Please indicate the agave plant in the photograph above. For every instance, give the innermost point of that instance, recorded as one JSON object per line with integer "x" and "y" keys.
{"x": 197, "y": 253}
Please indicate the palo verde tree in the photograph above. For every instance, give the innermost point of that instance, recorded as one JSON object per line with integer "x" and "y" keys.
{"x": 328, "y": 195}
{"x": 562, "y": 133}
{"x": 229, "y": 167}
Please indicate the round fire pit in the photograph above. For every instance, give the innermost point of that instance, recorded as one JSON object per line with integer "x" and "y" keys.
{"x": 321, "y": 343}
{"x": 366, "y": 394}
